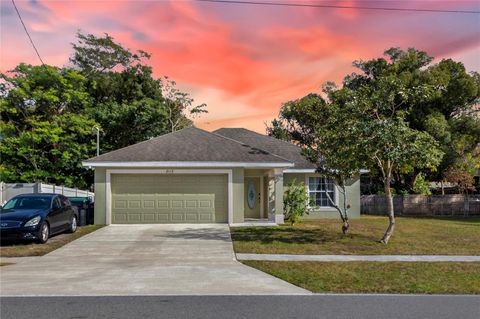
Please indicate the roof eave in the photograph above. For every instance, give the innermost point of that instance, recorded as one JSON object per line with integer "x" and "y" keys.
{"x": 188, "y": 164}
{"x": 314, "y": 170}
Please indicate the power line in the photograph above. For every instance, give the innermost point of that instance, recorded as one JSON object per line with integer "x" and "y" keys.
{"x": 28, "y": 34}
{"x": 313, "y": 5}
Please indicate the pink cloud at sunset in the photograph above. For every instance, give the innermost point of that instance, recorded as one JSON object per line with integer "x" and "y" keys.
{"x": 244, "y": 61}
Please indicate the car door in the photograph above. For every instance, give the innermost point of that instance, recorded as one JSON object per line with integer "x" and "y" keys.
{"x": 55, "y": 215}
{"x": 67, "y": 212}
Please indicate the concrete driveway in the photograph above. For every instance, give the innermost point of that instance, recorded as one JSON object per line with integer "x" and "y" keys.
{"x": 142, "y": 260}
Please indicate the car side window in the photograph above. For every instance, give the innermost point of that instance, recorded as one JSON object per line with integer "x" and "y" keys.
{"x": 56, "y": 203}
{"x": 65, "y": 202}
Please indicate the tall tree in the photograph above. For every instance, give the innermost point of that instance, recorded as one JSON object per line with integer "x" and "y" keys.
{"x": 450, "y": 116}
{"x": 48, "y": 113}
{"x": 378, "y": 101}
{"x": 43, "y": 136}
{"x": 318, "y": 126}
{"x": 130, "y": 104}
{"x": 367, "y": 123}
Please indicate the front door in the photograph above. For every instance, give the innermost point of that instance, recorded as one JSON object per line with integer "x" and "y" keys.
{"x": 252, "y": 197}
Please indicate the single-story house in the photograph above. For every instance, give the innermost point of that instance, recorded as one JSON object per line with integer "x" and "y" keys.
{"x": 231, "y": 175}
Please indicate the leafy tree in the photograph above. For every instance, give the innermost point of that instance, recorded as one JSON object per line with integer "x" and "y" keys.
{"x": 319, "y": 128}
{"x": 129, "y": 103}
{"x": 378, "y": 101}
{"x": 422, "y": 186}
{"x": 366, "y": 121}
{"x": 178, "y": 104}
{"x": 48, "y": 113}
{"x": 462, "y": 179}
{"x": 102, "y": 54}
{"x": 43, "y": 138}
{"x": 449, "y": 115}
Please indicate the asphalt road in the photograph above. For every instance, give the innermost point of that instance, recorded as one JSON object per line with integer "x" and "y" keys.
{"x": 235, "y": 307}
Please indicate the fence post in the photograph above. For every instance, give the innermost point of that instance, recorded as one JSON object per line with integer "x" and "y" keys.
{"x": 1, "y": 192}
{"x": 466, "y": 205}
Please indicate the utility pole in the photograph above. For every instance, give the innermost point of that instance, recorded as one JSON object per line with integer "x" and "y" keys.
{"x": 98, "y": 140}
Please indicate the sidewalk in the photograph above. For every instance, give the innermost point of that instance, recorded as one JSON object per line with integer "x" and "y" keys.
{"x": 384, "y": 258}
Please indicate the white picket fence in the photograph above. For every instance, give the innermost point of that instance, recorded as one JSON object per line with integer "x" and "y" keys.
{"x": 9, "y": 190}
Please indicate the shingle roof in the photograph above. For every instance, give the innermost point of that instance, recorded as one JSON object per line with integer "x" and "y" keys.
{"x": 190, "y": 145}
{"x": 270, "y": 144}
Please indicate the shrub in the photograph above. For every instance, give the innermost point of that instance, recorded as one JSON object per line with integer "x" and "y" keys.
{"x": 422, "y": 186}
{"x": 295, "y": 202}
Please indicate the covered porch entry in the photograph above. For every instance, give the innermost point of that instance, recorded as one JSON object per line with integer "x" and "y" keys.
{"x": 261, "y": 205}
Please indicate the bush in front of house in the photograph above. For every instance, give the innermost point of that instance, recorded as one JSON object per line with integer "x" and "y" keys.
{"x": 295, "y": 202}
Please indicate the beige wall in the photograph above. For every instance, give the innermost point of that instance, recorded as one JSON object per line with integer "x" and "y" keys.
{"x": 272, "y": 185}
{"x": 100, "y": 196}
{"x": 353, "y": 198}
{"x": 238, "y": 195}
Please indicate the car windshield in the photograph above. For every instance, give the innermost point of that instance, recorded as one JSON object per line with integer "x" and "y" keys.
{"x": 28, "y": 203}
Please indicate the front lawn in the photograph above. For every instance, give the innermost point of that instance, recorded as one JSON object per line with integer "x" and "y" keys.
{"x": 413, "y": 236}
{"x": 24, "y": 249}
{"x": 377, "y": 277}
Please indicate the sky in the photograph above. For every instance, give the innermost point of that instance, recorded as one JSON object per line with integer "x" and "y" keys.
{"x": 243, "y": 61}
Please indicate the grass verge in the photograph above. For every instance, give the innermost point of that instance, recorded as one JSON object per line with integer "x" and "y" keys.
{"x": 413, "y": 236}
{"x": 377, "y": 277}
{"x": 6, "y": 264}
{"x": 25, "y": 249}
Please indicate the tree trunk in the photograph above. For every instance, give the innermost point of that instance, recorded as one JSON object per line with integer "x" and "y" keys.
{"x": 343, "y": 215}
{"x": 345, "y": 226}
{"x": 391, "y": 215}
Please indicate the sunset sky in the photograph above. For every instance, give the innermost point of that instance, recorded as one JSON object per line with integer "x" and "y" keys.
{"x": 243, "y": 61}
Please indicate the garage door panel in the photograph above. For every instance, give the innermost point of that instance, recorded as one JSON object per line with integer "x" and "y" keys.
{"x": 169, "y": 198}
{"x": 149, "y": 204}
{"x": 119, "y": 204}
{"x": 162, "y": 203}
{"x": 163, "y": 217}
{"x": 119, "y": 217}
{"x": 148, "y": 217}
{"x": 177, "y": 217}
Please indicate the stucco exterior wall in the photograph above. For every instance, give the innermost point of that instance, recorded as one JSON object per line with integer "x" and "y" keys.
{"x": 353, "y": 197}
{"x": 238, "y": 194}
{"x": 100, "y": 217}
{"x": 273, "y": 184}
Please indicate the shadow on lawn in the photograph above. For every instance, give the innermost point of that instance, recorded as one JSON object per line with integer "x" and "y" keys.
{"x": 292, "y": 235}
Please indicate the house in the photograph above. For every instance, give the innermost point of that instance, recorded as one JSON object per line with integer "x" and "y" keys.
{"x": 193, "y": 176}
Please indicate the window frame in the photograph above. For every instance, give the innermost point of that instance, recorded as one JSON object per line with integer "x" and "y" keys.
{"x": 56, "y": 199}
{"x": 335, "y": 193}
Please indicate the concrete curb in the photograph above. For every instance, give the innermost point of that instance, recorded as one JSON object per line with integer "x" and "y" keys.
{"x": 345, "y": 258}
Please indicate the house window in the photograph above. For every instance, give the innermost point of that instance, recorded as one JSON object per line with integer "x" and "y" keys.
{"x": 318, "y": 187}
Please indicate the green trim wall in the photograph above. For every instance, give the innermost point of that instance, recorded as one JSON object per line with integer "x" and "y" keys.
{"x": 353, "y": 197}
{"x": 273, "y": 204}
{"x": 100, "y": 217}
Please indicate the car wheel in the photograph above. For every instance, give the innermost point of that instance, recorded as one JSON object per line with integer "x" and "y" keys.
{"x": 73, "y": 225}
{"x": 43, "y": 233}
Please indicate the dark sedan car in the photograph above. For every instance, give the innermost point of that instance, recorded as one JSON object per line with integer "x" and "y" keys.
{"x": 37, "y": 217}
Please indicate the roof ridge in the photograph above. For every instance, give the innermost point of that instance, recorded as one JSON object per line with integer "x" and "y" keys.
{"x": 239, "y": 142}
{"x": 271, "y": 137}
{"x": 141, "y": 142}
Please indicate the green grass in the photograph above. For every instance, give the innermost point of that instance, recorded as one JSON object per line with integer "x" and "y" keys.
{"x": 25, "y": 249}
{"x": 415, "y": 236}
{"x": 377, "y": 277}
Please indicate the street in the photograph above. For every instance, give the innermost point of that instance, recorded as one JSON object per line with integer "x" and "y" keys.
{"x": 236, "y": 307}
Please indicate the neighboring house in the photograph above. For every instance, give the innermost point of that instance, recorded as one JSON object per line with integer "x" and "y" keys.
{"x": 194, "y": 176}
